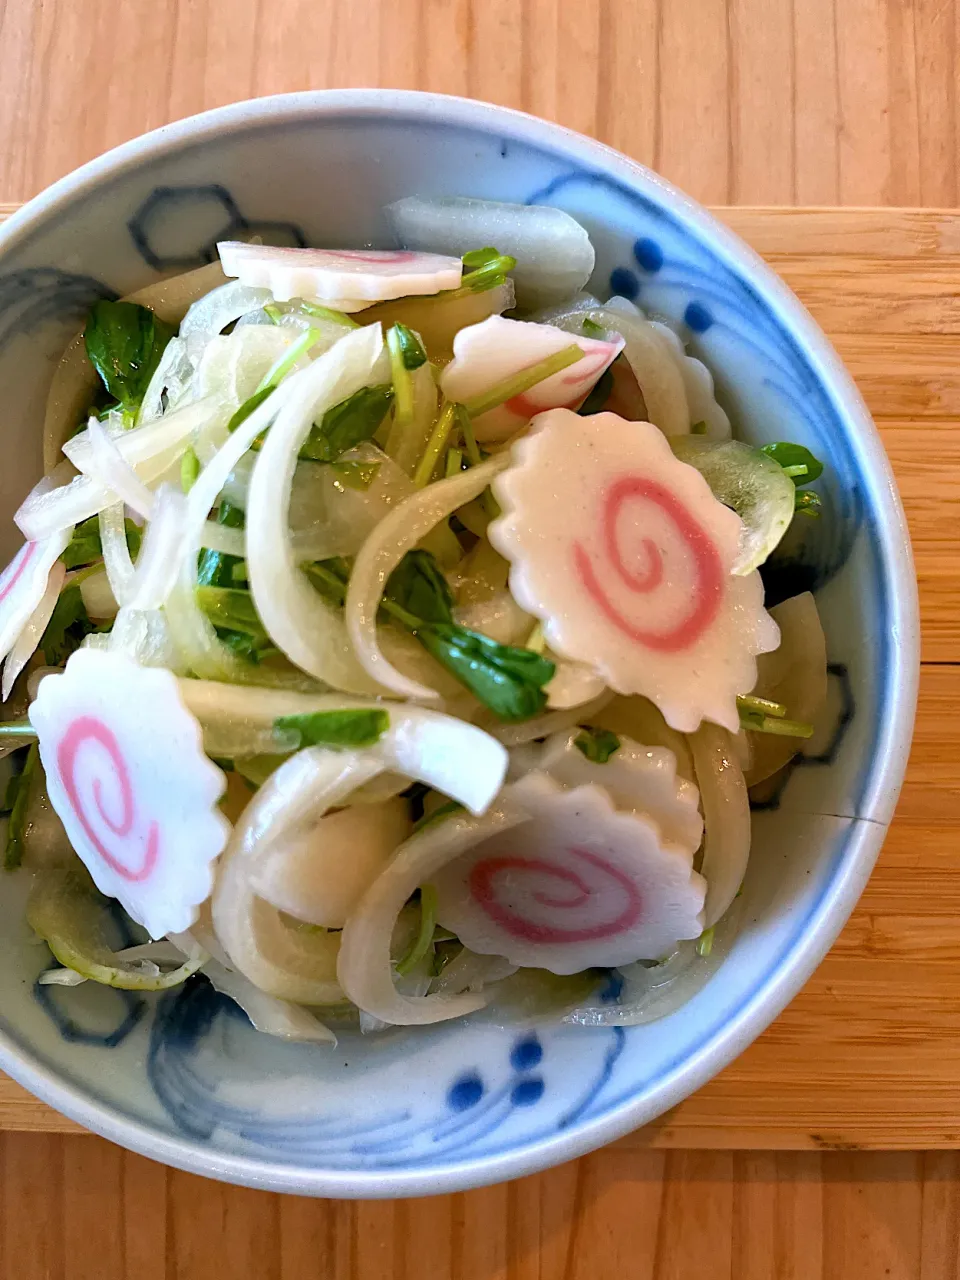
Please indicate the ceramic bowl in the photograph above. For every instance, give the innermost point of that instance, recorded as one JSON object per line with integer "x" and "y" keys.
{"x": 183, "y": 1078}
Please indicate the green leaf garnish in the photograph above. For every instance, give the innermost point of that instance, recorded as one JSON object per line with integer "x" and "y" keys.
{"x": 237, "y": 623}
{"x": 705, "y": 942}
{"x": 351, "y": 727}
{"x": 590, "y": 329}
{"x": 216, "y": 568}
{"x": 68, "y": 626}
{"x": 84, "y": 547}
{"x": 507, "y": 679}
{"x": 483, "y": 269}
{"x": 758, "y": 722}
{"x": 598, "y": 745}
{"x": 328, "y": 313}
{"x": 418, "y": 586}
{"x": 124, "y": 343}
{"x": 349, "y": 423}
{"x": 422, "y": 942}
{"x": 762, "y": 706}
{"x": 412, "y": 350}
{"x": 435, "y": 445}
{"x": 15, "y": 804}
{"x": 798, "y": 462}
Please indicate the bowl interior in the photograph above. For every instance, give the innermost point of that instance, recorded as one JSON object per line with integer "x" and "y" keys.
{"x": 184, "y": 1078}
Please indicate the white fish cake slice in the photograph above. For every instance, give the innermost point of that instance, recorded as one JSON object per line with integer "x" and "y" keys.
{"x": 637, "y": 778}
{"x": 339, "y": 277}
{"x": 577, "y": 884}
{"x": 128, "y": 778}
{"x": 487, "y": 353}
{"x": 625, "y": 556}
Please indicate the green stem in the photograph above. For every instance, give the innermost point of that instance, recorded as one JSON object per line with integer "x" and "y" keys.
{"x": 756, "y": 723}
{"x": 435, "y": 445}
{"x": 523, "y": 381}
{"x": 402, "y": 382}
{"x": 18, "y": 729}
{"x": 328, "y": 313}
{"x": 283, "y": 364}
{"x": 487, "y": 501}
{"x": 454, "y": 463}
{"x": 763, "y": 706}
{"x": 421, "y": 943}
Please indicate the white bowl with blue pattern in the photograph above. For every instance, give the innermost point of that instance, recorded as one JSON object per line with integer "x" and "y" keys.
{"x": 183, "y": 1078}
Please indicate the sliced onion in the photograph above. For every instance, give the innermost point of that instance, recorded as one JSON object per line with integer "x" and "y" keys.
{"x": 171, "y": 298}
{"x": 470, "y": 971}
{"x": 299, "y": 621}
{"x": 795, "y": 675}
{"x": 149, "y": 450}
{"x": 199, "y": 647}
{"x": 499, "y": 617}
{"x": 573, "y": 684}
{"x": 406, "y": 442}
{"x": 319, "y": 873}
{"x": 726, "y": 818}
{"x": 98, "y": 598}
{"x": 105, "y": 464}
{"x": 447, "y": 754}
{"x": 26, "y": 642}
{"x": 161, "y": 552}
{"x": 267, "y": 1014}
{"x": 212, "y": 313}
{"x": 170, "y": 378}
{"x": 144, "y": 636}
{"x": 220, "y": 537}
{"x": 401, "y": 530}
{"x": 23, "y": 584}
{"x": 285, "y": 961}
{"x": 364, "y": 966}
{"x": 116, "y": 554}
{"x": 638, "y": 718}
{"x": 233, "y": 367}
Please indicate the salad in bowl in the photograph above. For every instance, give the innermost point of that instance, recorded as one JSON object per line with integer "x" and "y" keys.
{"x": 389, "y": 637}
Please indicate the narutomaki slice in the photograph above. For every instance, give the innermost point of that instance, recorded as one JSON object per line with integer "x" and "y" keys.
{"x": 489, "y": 353}
{"x": 626, "y": 557}
{"x": 339, "y": 275}
{"x": 127, "y": 775}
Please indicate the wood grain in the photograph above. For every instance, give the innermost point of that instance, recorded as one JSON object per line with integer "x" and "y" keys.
{"x": 76, "y": 1208}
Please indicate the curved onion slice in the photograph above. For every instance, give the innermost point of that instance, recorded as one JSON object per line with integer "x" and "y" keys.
{"x": 751, "y": 484}
{"x": 499, "y": 617}
{"x": 161, "y": 551}
{"x": 626, "y": 557}
{"x": 26, "y": 642}
{"x": 637, "y": 778}
{"x": 65, "y": 910}
{"x": 319, "y": 873}
{"x": 485, "y": 354}
{"x": 220, "y": 307}
{"x": 297, "y": 618}
{"x": 468, "y": 971}
{"x": 420, "y": 744}
{"x": 105, "y": 464}
{"x": 116, "y": 554}
{"x": 128, "y": 777}
{"x": 339, "y": 275}
{"x": 23, "y": 584}
{"x": 726, "y": 818}
{"x": 795, "y": 674}
{"x": 299, "y": 964}
{"x": 554, "y": 255}
{"x": 405, "y": 526}
{"x": 98, "y": 598}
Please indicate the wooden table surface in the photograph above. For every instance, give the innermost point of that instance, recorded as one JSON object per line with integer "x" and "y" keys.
{"x": 816, "y": 102}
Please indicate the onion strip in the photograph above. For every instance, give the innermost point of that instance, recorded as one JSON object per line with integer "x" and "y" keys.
{"x": 26, "y": 642}
{"x": 726, "y": 818}
{"x": 383, "y": 550}
{"x": 298, "y": 620}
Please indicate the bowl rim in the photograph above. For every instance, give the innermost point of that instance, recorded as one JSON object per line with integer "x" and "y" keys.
{"x": 891, "y": 743}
